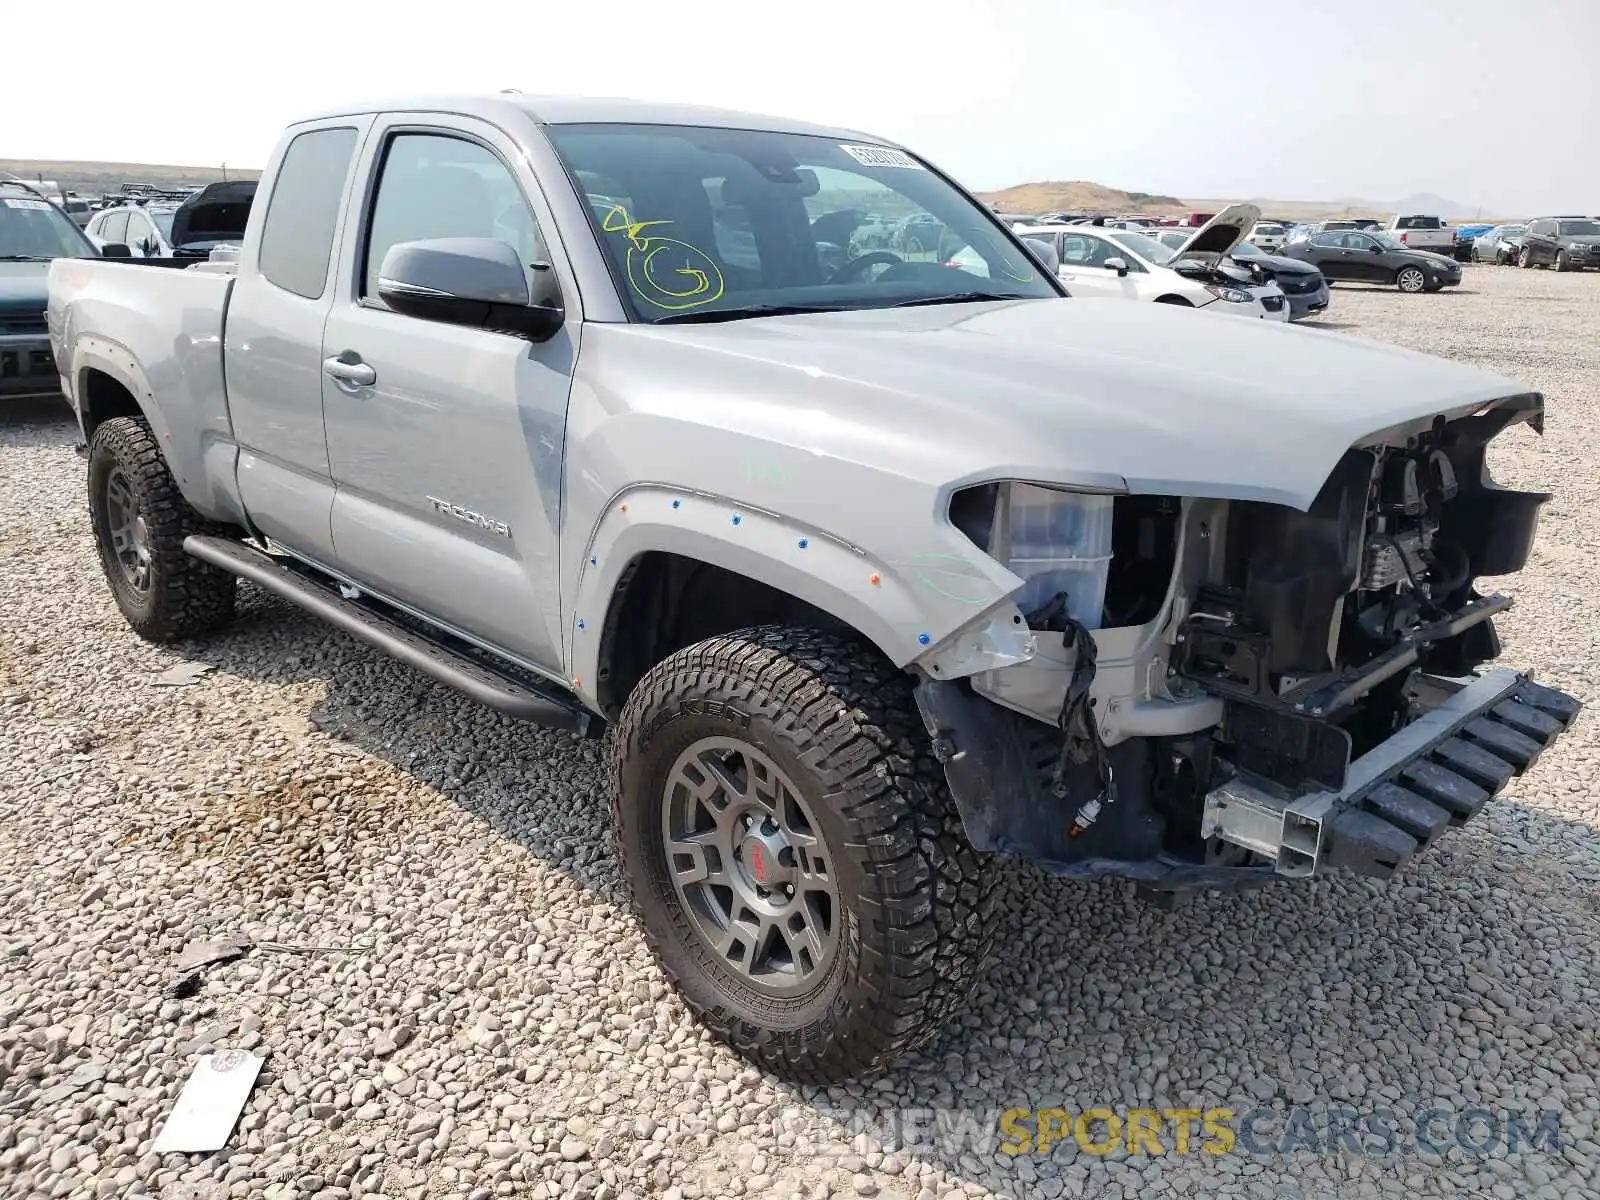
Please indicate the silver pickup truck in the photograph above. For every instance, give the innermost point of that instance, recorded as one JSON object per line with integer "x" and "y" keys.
{"x": 872, "y": 564}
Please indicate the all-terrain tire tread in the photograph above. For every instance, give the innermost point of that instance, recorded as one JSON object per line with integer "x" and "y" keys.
{"x": 188, "y": 597}
{"x": 929, "y": 909}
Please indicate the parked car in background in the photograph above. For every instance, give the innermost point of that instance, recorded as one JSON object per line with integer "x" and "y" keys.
{"x": 1466, "y": 235}
{"x": 78, "y": 209}
{"x": 1267, "y": 236}
{"x": 1130, "y": 265}
{"x": 1355, "y": 256}
{"x": 33, "y": 233}
{"x": 145, "y": 229}
{"x": 1565, "y": 243}
{"x": 212, "y": 216}
{"x": 1303, "y": 285}
{"x": 1197, "y": 219}
{"x": 1499, "y": 245}
{"x": 1422, "y": 232}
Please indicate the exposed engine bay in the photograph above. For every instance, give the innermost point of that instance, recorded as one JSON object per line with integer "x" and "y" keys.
{"x": 1254, "y": 665}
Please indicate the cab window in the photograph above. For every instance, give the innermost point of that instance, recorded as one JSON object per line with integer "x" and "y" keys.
{"x": 437, "y": 186}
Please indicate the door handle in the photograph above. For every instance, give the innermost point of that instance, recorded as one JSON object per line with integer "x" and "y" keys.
{"x": 356, "y": 373}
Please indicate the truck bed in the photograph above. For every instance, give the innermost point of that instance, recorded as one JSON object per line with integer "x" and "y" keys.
{"x": 157, "y": 334}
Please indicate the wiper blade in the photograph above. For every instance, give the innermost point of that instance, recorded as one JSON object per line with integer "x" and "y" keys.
{"x": 959, "y": 298}
{"x": 708, "y": 315}
{"x": 23, "y": 258}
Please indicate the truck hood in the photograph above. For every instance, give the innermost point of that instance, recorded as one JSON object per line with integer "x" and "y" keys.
{"x": 23, "y": 287}
{"x": 1097, "y": 393}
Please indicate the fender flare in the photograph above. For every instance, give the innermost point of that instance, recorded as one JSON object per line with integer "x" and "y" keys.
{"x": 92, "y": 352}
{"x": 878, "y": 599}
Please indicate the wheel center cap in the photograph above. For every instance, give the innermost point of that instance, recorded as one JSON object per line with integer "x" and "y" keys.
{"x": 766, "y": 860}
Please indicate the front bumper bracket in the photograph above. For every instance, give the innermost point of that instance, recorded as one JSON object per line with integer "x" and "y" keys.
{"x": 1438, "y": 771}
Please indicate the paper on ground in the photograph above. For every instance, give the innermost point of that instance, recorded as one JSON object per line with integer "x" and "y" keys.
{"x": 210, "y": 1103}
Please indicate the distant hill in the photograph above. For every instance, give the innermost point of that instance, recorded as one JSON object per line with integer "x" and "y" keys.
{"x": 1076, "y": 195}
{"x": 1083, "y": 196}
{"x": 93, "y": 178}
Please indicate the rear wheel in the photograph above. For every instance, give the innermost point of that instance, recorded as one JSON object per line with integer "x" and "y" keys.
{"x": 793, "y": 852}
{"x": 1411, "y": 279}
{"x": 140, "y": 520}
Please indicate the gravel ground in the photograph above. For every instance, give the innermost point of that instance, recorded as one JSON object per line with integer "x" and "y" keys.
{"x": 454, "y": 1002}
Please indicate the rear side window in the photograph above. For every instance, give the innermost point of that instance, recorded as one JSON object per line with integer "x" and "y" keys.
{"x": 115, "y": 227}
{"x": 298, "y": 239}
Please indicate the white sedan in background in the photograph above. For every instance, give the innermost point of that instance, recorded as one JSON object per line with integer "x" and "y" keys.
{"x": 1096, "y": 261}
{"x": 1268, "y": 236}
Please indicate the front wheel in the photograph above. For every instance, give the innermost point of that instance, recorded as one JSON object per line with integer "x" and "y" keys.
{"x": 793, "y": 852}
{"x": 1560, "y": 262}
{"x": 140, "y": 520}
{"x": 1524, "y": 258}
{"x": 1411, "y": 279}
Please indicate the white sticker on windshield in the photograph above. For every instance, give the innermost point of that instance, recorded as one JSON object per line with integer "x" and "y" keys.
{"x": 36, "y": 204}
{"x": 882, "y": 156}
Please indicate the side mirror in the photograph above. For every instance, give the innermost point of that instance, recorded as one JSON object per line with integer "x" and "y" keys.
{"x": 115, "y": 250}
{"x": 479, "y": 282}
{"x": 1119, "y": 265}
{"x": 1044, "y": 252}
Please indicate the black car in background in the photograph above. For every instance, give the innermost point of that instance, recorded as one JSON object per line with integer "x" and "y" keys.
{"x": 1358, "y": 256}
{"x": 1565, "y": 243}
{"x": 33, "y": 231}
{"x": 1302, "y": 283}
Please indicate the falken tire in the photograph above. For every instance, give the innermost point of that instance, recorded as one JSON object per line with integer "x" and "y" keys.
{"x": 916, "y": 904}
{"x": 180, "y": 596}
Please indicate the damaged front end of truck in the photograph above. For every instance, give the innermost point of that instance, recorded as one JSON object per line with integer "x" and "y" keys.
{"x": 1224, "y": 692}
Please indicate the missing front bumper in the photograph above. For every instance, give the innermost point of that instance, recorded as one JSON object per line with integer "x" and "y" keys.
{"x": 1438, "y": 771}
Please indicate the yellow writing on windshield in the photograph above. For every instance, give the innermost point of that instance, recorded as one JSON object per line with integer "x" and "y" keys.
{"x": 664, "y": 272}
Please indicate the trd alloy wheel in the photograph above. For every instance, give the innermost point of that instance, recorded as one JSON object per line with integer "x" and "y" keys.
{"x": 793, "y": 853}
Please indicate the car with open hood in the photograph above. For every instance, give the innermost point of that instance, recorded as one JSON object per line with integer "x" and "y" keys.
{"x": 1131, "y": 265}
{"x": 1303, "y": 285}
{"x": 1564, "y": 243}
{"x": 186, "y": 231}
{"x": 872, "y": 569}
{"x": 1362, "y": 256}
{"x": 34, "y": 232}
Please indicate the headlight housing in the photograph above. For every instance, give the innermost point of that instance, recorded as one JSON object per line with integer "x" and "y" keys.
{"x": 1056, "y": 541}
{"x": 1232, "y": 295}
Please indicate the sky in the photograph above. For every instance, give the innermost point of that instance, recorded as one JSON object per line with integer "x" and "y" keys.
{"x": 1489, "y": 104}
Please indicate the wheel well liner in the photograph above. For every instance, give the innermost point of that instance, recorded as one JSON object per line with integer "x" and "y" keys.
{"x": 663, "y": 602}
{"x": 1178, "y": 300}
{"x": 104, "y": 397}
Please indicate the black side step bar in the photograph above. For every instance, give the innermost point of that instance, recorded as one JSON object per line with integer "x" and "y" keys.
{"x": 436, "y": 654}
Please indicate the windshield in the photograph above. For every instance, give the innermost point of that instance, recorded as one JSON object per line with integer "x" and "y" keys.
{"x": 1246, "y": 250}
{"x": 698, "y": 222}
{"x": 1145, "y": 247}
{"x": 1578, "y": 228}
{"x": 31, "y": 228}
{"x": 1387, "y": 242}
{"x": 163, "y": 222}
{"x": 1270, "y": 230}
